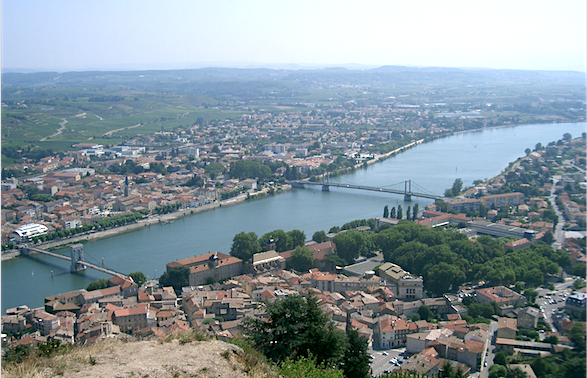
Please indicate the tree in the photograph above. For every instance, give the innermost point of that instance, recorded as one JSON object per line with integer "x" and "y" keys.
{"x": 295, "y": 327}
{"x": 415, "y": 212}
{"x": 424, "y": 312}
{"x": 386, "y": 212}
{"x": 277, "y": 237}
{"x": 351, "y": 244}
{"x": 244, "y": 245}
{"x": 356, "y": 359}
{"x": 138, "y": 277}
{"x": 214, "y": 169}
{"x": 577, "y": 336}
{"x": 457, "y": 186}
{"x": 307, "y": 367}
{"x": 446, "y": 370}
{"x": 567, "y": 137}
{"x": 497, "y": 371}
{"x": 531, "y": 295}
{"x": 538, "y": 147}
{"x": 527, "y": 151}
{"x": 501, "y": 358}
{"x": 302, "y": 259}
{"x": 515, "y": 373}
{"x": 409, "y": 213}
{"x": 296, "y": 238}
{"x": 177, "y": 277}
{"x": 319, "y": 236}
{"x": 400, "y": 213}
{"x": 393, "y": 213}
{"x": 98, "y": 284}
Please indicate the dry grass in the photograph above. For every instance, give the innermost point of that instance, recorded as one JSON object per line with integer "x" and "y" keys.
{"x": 179, "y": 355}
{"x": 74, "y": 359}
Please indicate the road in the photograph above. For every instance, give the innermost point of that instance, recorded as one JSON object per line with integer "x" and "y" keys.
{"x": 559, "y": 234}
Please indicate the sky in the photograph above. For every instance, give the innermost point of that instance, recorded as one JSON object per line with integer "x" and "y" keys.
{"x": 66, "y": 35}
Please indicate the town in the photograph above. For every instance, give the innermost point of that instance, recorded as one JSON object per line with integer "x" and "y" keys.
{"x": 415, "y": 317}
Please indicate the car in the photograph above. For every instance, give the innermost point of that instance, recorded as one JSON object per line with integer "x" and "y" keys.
{"x": 385, "y": 353}
{"x": 400, "y": 361}
{"x": 485, "y": 364}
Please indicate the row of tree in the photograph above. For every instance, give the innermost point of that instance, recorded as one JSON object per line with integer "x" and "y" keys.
{"x": 399, "y": 213}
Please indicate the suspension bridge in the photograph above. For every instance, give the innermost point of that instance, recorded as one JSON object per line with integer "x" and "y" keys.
{"x": 406, "y": 191}
{"x": 76, "y": 258}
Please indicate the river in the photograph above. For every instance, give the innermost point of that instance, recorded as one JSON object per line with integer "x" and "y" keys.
{"x": 432, "y": 167}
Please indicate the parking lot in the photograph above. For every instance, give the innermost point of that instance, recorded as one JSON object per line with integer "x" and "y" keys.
{"x": 380, "y": 361}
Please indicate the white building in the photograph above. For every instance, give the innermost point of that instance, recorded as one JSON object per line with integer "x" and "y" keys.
{"x": 29, "y": 231}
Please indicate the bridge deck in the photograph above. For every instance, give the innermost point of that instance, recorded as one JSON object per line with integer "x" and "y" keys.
{"x": 371, "y": 188}
{"x": 87, "y": 264}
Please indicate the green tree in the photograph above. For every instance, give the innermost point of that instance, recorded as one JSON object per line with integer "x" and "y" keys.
{"x": 400, "y": 213}
{"x": 577, "y": 336}
{"x": 244, "y": 245}
{"x": 296, "y": 238}
{"x": 457, "y": 186}
{"x": 177, "y": 277}
{"x": 501, "y": 358}
{"x": 307, "y": 367}
{"x": 393, "y": 213}
{"x": 567, "y": 137}
{"x": 302, "y": 259}
{"x": 98, "y": 284}
{"x": 531, "y": 295}
{"x": 351, "y": 244}
{"x": 319, "y": 236}
{"x": 440, "y": 277}
{"x": 497, "y": 371}
{"x": 356, "y": 359}
{"x": 138, "y": 277}
{"x": 295, "y": 327}
{"x": 424, "y": 312}
{"x": 415, "y": 212}
{"x": 279, "y": 237}
{"x": 386, "y": 212}
{"x": 409, "y": 213}
{"x": 214, "y": 169}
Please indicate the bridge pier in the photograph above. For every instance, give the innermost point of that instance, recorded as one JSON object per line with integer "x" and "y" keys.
{"x": 408, "y": 197}
{"x": 76, "y": 252}
{"x": 325, "y": 188}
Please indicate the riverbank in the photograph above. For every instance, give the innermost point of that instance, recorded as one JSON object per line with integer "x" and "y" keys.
{"x": 147, "y": 222}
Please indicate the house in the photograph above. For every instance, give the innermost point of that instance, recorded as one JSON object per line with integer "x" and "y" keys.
{"x": 131, "y": 319}
{"x": 507, "y": 328}
{"x": 500, "y": 295}
{"x": 392, "y": 332}
{"x": 528, "y": 318}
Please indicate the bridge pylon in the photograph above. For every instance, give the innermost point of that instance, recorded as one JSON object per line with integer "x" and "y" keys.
{"x": 408, "y": 191}
{"x": 76, "y": 252}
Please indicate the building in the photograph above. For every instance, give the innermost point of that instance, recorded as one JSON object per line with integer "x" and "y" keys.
{"x": 406, "y": 285}
{"x": 267, "y": 262}
{"x": 131, "y": 319}
{"x": 500, "y": 295}
{"x": 575, "y": 304}
{"x": 507, "y": 328}
{"x": 528, "y": 318}
{"x": 29, "y": 231}
{"x": 391, "y": 332}
{"x": 502, "y": 200}
{"x": 463, "y": 205}
{"x": 214, "y": 266}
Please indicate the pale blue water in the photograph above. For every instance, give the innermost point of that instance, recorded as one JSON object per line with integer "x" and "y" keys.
{"x": 432, "y": 166}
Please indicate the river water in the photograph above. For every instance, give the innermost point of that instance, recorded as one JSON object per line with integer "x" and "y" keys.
{"x": 432, "y": 167}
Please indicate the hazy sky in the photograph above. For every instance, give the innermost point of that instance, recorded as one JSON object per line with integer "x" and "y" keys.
{"x": 141, "y": 34}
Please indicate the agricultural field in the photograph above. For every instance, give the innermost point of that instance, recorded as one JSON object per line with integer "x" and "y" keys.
{"x": 56, "y": 110}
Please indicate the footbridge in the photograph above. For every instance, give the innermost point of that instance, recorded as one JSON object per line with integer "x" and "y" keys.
{"x": 406, "y": 191}
{"x": 76, "y": 258}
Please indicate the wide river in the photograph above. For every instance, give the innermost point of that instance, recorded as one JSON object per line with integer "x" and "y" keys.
{"x": 432, "y": 167}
